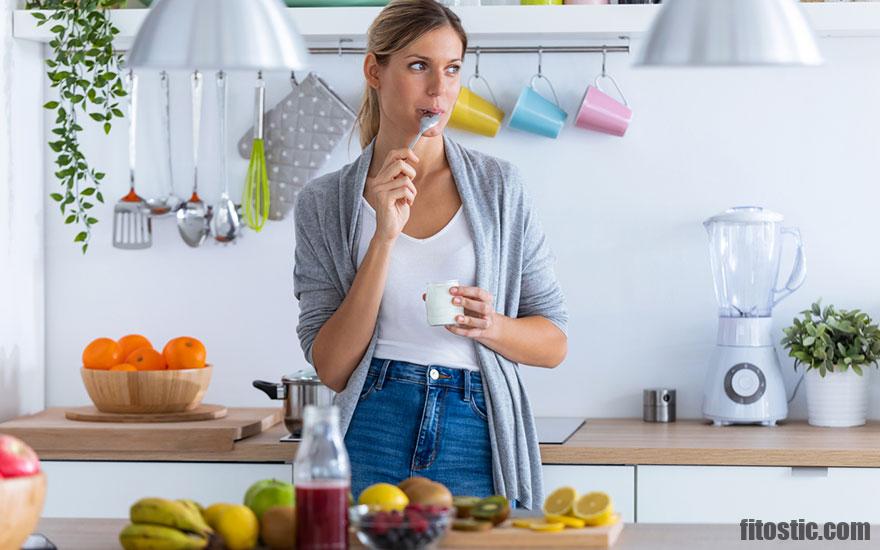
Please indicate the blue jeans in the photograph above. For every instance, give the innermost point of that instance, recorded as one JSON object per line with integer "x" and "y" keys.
{"x": 417, "y": 420}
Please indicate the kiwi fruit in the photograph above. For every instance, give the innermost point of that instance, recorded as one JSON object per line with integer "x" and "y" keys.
{"x": 494, "y": 509}
{"x": 464, "y": 505}
{"x": 278, "y": 527}
{"x": 471, "y": 524}
{"x": 411, "y": 482}
{"x": 429, "y": 494}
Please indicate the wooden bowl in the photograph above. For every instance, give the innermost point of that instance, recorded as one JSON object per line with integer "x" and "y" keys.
{"x": 21, "y": 503}
{"x": 144, "y": 392}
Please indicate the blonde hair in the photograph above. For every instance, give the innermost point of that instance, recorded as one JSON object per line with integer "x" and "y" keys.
{"x": 398, "y": 25}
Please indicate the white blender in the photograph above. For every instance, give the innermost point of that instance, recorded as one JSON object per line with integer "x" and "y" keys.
{"x": 744, "y": 383}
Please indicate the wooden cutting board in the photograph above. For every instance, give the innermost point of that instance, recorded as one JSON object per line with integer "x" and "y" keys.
{"x": 92, "y": 414}
{"x": 507, "y": 536}
{"x": 50, "y": 430}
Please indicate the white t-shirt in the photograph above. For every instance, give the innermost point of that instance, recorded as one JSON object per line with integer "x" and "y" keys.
{"x": 404, "y": 332}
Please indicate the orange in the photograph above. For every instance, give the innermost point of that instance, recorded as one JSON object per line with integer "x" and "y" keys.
{"x": 124, "y": 367}
{"x": 102, "y": 353}
{"x": 184, "y": 352}
{"x": 146, "y": 359}
{"x": 132, "y": 342}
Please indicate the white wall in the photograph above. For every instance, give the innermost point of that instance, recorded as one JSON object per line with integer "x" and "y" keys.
{"x": 22, "y": 346}
{"x": 623, "y": 215}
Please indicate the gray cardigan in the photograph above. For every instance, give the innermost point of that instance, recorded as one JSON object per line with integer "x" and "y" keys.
{"x": 514, "y": 263}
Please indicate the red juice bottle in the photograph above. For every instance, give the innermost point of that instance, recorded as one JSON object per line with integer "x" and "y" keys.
{"x": 322, "y": 476}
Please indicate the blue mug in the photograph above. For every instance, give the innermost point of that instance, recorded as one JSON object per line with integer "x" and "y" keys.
{"x": 533, "y": 113}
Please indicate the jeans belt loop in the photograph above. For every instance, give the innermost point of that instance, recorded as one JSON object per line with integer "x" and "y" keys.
{"x": 467, "y": 385}
{"x": 382, "y": 373}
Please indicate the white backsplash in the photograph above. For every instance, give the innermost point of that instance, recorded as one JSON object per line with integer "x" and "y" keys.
{"x": 623, "y": 216}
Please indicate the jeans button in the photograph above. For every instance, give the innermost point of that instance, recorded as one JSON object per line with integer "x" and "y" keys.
{"x": 434, "y": 374}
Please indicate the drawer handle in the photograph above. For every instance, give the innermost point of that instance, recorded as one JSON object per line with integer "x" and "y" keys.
{"x": 809, "y": 471}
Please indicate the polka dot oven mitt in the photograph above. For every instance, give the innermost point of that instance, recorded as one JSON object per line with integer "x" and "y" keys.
{"x": 300, "y": 133}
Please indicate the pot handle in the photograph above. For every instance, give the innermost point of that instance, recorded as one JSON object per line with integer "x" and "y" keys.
{"x": 274, "y": 391}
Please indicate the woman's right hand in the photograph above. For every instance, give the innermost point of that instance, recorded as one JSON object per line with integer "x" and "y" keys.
{"x": 393, "y": 192}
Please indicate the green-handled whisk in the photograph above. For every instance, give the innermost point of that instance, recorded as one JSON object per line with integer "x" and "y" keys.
{"x": 256, "y": 186}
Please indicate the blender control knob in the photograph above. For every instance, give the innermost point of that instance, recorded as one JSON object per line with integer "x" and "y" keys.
{"x": 744, "y": 383}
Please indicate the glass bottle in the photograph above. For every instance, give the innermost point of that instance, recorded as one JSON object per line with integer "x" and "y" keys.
{"x": 322, "y": 475}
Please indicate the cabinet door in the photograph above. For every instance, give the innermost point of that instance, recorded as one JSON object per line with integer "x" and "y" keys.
{"x": 108, "y": 489}
{"x": 617, "y": 481}
{"x": 729, "y": 494}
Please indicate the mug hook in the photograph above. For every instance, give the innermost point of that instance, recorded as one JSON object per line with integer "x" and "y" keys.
{"x": 540, "y": 59}
{"x": 293, "y": 81}
{"x": 604, "y": 57}
{"x": 341, "y": 40}
{"x": 477, "y": 63}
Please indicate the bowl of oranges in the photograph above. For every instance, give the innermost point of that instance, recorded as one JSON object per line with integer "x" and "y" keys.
{"x": 130, "y": 376}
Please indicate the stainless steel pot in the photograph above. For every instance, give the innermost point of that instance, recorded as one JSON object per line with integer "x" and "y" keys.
{"x": 297, "y": 390}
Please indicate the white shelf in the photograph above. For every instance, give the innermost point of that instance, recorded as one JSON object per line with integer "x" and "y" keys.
{"x": 322, "y": 26}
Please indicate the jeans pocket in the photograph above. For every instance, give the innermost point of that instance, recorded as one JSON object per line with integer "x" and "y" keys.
{"x": 478, "y": 405}
{"x": 369, "y": 386}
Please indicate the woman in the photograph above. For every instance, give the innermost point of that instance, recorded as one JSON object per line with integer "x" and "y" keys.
{"x": 446, "y": 402}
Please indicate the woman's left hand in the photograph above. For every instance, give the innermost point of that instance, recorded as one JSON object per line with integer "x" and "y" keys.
{"x": 480, "y": 321}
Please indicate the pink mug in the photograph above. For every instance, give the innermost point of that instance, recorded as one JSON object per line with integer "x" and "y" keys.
{"x": 601, "y": 112}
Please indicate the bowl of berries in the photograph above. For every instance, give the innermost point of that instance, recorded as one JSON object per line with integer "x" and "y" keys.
{"x": 417, "y": 527}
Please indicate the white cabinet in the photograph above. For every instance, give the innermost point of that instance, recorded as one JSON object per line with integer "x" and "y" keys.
{"x": 728, "y": 494}
{"x": 107, "y": 489}
{"x": 617, "y": 481}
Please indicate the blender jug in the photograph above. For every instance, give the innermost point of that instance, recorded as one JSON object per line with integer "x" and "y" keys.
{"x": 745, "y": 245}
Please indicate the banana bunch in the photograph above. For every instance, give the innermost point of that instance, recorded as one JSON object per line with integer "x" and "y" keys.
{"x": 161, "y": 524}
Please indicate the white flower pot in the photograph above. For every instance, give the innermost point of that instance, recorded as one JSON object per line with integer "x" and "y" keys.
{"x": 838, "y": 400}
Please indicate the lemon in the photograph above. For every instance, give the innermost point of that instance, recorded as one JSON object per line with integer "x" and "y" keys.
{"x": 239, "y": 528}
{"x": 547, "y": 527}
{"x": 384, "y": 496}
{"x": 560, "y": 502}
{"x": 594, "y": 508}
{"x": 568, "y": 521}
{"x": 212, "y": 513}
{"x": 612, "y": 519}
{"x": 523, "y": 523}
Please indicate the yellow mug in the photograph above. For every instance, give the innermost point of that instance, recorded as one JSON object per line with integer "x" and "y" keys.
{"x": 474, "y": 114}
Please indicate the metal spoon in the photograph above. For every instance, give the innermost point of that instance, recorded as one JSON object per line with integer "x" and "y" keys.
{"x": 427, "y": 122}
{"x": 192, "y": 218}
{"x": 225, "y": 220}
{"x": 170, "y": 202}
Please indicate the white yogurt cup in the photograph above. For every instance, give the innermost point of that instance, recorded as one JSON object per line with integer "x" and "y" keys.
{"x": 438, "y": 303}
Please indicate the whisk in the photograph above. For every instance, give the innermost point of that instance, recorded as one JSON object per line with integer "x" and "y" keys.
{"x": 256, "y": 186}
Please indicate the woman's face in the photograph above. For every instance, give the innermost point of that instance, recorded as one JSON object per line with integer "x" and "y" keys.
{"x": 421, "y": 79}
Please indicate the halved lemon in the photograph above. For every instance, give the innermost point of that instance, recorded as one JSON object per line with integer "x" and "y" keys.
{"x": 560, "y": 502}
{"x": 546, "y": 527}
{"x": 612, "y": 519}
{"x": 568, "y": 521}
{"x": 594, "y": 508}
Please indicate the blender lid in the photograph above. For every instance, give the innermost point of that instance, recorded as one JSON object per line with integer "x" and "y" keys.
{"x": 746, "y": 214}
{"x": 304, "y": 376}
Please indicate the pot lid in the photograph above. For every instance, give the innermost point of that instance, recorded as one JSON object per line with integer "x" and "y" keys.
{"x": 303, "y": 377}
{"x": 746, "y": 214}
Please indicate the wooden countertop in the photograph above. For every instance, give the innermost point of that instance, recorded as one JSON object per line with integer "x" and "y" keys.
{"x": 101, "y": 534}
{"x": 621, "y": 441}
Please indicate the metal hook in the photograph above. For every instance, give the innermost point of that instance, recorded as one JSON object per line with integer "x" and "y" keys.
{"x": 604, "y": 57}
{"x": 341, "y": 41}
{"x": 293, "y": 81}
{"x": 540, "y": 59}
{"x": 477, "y": 63}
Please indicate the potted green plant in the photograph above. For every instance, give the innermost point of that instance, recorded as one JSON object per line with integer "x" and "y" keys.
{"x": 85, "y": 69}
{"x": 834, "y": 345}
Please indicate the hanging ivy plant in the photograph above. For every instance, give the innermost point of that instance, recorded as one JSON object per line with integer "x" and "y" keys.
{"x": 85, "y": 69}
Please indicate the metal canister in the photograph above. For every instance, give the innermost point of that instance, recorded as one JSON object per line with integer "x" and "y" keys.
{"x": 658, "y": 405}
{"x": 297, "y": 390}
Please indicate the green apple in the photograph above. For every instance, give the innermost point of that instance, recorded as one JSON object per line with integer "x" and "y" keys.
{"x": 273, "y": 493}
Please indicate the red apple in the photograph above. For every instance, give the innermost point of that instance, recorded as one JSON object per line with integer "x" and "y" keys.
{"x": 16, "y": 458}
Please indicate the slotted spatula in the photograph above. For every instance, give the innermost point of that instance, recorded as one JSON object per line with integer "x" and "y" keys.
{"x": 132, "y": 225}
